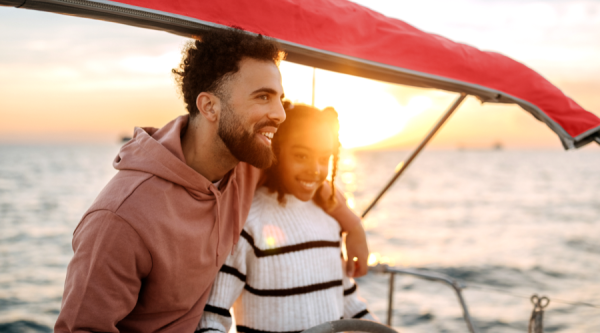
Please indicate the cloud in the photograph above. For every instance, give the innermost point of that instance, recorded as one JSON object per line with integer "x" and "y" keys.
{"x": 152, "y": 65}
{"x": 64, "y": 53}
{"x": 53, "y": 66}
{"x": 46, "y": 38}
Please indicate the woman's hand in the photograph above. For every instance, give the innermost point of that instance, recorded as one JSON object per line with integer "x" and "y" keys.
{"x": 356, "y": 239}
{"x": 357, "y": 251}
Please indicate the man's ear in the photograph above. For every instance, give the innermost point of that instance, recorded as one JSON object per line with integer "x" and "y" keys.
{"x": 208, "y": 105}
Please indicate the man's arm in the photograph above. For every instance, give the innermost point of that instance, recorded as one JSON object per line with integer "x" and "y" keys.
{"x": 104, "y": 276}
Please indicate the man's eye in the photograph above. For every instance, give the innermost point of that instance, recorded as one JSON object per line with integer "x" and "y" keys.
{"x": 264, "y": 97}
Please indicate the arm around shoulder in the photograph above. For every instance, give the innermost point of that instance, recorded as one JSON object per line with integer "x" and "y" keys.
{"x": 104, "y": 277}
{"x": 356, "y": 239}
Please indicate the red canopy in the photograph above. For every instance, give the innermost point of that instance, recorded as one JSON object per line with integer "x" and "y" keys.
{"x": 345, "y": 37}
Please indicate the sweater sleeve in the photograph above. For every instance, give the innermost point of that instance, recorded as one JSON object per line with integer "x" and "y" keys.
{"x": 227, "y": 287}
{"x": 354, "y": 306}
{"x": 105, "y": 275}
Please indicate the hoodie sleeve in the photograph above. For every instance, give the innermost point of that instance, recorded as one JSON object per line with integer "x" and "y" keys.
{"x": 227, "y": 287}
{"x": 347, "y": 219}
{"x": 104, "y": 277}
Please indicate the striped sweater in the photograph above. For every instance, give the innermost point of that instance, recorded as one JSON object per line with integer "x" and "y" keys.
{"x": 285, "y": 274}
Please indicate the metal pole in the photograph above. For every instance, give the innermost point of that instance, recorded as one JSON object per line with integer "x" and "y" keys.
{"x": 414, "y": 154}
{"x": 465, "y": 309}
{"x": 313, "y": 87}
{"x": 390, "y": 300}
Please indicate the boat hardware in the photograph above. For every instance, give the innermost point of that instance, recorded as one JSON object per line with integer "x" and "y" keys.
{"x": 537, "y": 316}
{"x": 432, "y": 276}
{"x": 313, "y": 87}
{"x": 416, "y": 152}
{"x": 390, "y": 300}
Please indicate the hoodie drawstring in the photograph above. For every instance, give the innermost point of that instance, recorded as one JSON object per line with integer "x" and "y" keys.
{"x": 236, "y": 206}
{"x": 217, "y": 195}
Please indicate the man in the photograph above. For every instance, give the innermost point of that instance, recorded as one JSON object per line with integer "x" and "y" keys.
{"x": 149, "y": 248}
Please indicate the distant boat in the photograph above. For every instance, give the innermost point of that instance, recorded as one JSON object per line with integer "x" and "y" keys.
{"x": 497, "y": 146}
{"x": 125, "y": 139}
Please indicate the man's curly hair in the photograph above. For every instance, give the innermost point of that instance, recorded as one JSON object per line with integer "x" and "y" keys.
{"x": 208, "y": 62}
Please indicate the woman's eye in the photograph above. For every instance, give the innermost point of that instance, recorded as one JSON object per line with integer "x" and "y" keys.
{"x": 301, "y": 156}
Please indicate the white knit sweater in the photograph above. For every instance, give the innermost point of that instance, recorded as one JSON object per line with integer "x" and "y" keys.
{"x": 285, "y": 274}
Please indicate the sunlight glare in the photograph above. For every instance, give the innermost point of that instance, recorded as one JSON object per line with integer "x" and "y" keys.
{"x": 368, "y": 113}
{"x": 419, "y": 103}
{"x": 273, "y": 236}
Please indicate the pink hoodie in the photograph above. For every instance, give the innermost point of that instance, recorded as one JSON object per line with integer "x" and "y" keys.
{"x": 149, "y": 248}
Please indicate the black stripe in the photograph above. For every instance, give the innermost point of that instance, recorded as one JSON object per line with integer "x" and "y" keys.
{"x": 244, "y": 329}
{"x": 360, "y": 314}
{"x": 202, "y": 330}
{"x": 217, "y": 310}
{"x": 294, "y": 291}
{"x": 350, "y": 291}
{"x": 287, "y": 249}
{"x": 234, "y": 272}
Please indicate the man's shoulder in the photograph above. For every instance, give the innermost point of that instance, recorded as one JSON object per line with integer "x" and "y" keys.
{"x": 118, "y": 189}
{"x": 247, "y": 173}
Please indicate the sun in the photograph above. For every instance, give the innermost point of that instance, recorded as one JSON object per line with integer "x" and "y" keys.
{"x": 368, "y": 113}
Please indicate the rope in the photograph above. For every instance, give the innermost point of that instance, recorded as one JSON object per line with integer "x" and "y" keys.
{"x": 554, "y": 300}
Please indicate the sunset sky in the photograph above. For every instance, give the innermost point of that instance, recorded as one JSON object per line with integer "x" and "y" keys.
{"x": 67, "y": 79}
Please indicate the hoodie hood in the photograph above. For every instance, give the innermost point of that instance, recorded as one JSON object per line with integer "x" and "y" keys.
{"x": 158, "y": 152}
{"x": 154, "y": 239}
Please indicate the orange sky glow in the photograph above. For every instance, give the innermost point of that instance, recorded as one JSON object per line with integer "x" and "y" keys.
{"x": 75, "y": 80}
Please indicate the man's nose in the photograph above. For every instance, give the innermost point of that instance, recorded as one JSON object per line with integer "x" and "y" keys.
{"x": 277, "y": 113}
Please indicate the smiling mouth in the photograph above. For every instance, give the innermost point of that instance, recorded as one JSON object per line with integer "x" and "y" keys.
{"x": 308, "y": 185}
{"x": 268, "y": 135}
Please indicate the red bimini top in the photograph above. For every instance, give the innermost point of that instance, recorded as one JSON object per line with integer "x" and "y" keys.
{"x": 345, "y": 37}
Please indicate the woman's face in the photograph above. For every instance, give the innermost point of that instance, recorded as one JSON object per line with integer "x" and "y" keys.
{"x": 304, "y": 159}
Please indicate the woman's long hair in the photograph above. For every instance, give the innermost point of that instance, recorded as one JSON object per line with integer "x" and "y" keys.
{"x": 294, "y": 115}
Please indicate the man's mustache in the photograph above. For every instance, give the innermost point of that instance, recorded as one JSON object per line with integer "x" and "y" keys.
{"x": 266, "y": 123}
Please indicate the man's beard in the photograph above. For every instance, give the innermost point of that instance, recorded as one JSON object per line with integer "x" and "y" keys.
{"x": 242, "y": 143}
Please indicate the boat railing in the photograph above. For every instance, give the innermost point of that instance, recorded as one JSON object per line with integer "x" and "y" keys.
{"x": 456, "y": 285}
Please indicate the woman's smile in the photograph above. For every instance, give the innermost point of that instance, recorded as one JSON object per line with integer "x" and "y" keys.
{"x": 304, "y": 159}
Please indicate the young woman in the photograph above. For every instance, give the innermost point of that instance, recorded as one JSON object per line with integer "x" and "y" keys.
{"x": 286, "y": 272}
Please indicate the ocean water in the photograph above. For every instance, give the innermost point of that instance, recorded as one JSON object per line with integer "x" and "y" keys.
{"x": 507, "y": 223}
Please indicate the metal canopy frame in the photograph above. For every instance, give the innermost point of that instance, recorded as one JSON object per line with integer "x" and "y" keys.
{"x": 189, "y": 27}
{"x": 416, "y": 152}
